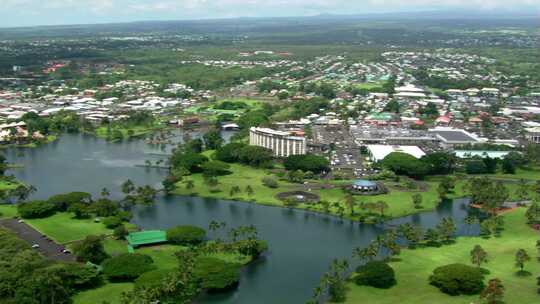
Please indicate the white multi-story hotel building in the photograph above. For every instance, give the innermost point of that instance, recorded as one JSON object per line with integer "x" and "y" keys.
{"x": 533, "y": 134}
{"x": 281, "y": 143}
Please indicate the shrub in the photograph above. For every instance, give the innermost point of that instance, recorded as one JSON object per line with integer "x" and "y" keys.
{"x": 75, "y": 276}
{"x": 112, "y": 222}
{"x": 186, "y": 235}
{"x": 36, "y": 209}
{"x": 63, "y": 201}
{"x": 215, "y": 168}
{"x": 127, "y": 267}
{"x": 120, "y": 232}
{"x": 152, "y": 278}
{"x": 269, "y": 182}
{"x": 456, "y": 279}
{"x": 229, "y": 153}
{"x": 376, "y": 274}
{"x": 216, "y": 274}
{"x": 252, "y": 248}
{"x": 307, "y": 162}
{"x": 90, "y": 250}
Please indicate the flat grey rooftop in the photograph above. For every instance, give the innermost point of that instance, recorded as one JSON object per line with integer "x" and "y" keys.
{"x": 455, "y": 136}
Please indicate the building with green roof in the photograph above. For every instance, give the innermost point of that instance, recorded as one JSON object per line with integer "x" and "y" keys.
{"x": 136, "y": 239}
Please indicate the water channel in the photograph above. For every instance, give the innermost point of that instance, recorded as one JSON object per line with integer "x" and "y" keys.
{"x": 302, "y": 244}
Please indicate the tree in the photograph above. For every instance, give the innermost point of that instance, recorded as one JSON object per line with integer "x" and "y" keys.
{"x": 188, "y": 160}
{"x": 120, "y": 232}
{"x": 417, "y": 201}
{"x": 508, "y": 166}
{"x": 230, "y": 153}
{"x": 405, "y": 164}
{"x": 105, "y": 192}
{"x": 392, "y": 106}
{"x": 307, "y": 162}
{"x": 186, "y": 235}
{"x": 249, "y": 190}
{"x": 127, "y": 267}
{"x": 128, "y": 187}
{"x": 270, "y": 182}
{"x": 432, "y": 237}
{"x": 494, "y": 292}
{"x": 376, "y": 274}
{"x": 521, "y": 258}
{"x": 90, "y": 250}
{"x": 256, "y": 156}
{"x": 216, "y": 274}
{"x": 447, "y": 229}
{"x": 478, "y": 256}
{"x": 522, "y": 192}
{"x": 381, "y": 206}
{"x": 212, "y": 139}
{"x": 215, "y": 168}
{"x": 36, "y": 209}
{"x": 456, "y": 279}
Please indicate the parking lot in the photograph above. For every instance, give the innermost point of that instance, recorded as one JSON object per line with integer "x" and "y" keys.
{"x": 38, "y": 241}
{"x": 345, "y": 155}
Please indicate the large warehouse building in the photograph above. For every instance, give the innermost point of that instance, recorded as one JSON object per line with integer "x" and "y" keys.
{"x": 281, "y": 143}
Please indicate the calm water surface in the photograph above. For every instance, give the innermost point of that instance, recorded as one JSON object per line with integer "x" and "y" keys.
{"x": 302, "y": 244}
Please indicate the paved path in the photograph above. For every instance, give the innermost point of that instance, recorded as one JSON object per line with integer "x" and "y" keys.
{"x": 47, "y": 247}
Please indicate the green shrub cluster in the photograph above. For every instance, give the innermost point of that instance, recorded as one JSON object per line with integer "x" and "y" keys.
{"x": 457, "y": 279}
{"x": 376, "y": 274}
{"x": 186, "y": 235}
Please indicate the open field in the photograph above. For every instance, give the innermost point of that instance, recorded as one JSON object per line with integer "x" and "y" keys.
{"x": 415, "y": 267}
{"x": 241, "y": 176}
{"x": 8, "y": 211}
{"x": 63, "y": 228}
{"x": 111, "y": 292}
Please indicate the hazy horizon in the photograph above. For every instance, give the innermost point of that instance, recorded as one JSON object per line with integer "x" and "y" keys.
{"x": 21, "y": 13}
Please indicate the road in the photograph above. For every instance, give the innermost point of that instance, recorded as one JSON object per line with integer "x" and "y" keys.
{"x": 47, "y": 247}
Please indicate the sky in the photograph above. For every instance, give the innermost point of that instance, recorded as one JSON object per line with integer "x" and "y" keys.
{"x": 55, "y": 12}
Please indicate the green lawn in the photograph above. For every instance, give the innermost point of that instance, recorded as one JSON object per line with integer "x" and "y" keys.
{"x": 399, "y": 201}
{"x": 413, "y": 270}
{"x": 7, "y": 211}
{"x": 110, "y": 292}
{"x": 63, "y": 228}
{"x": 241, "y": 176}
{"x": 8, "y": 185}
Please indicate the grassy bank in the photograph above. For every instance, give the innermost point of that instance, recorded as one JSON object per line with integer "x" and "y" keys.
{"x": 399, "y": 198}
{"x": 416, "y": 266}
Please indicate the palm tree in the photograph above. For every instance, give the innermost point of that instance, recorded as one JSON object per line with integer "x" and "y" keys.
{"x": 128, "y": 187}
{"x": 381, "y": 206}
{"x": 105, "y": 192}
{"x": 249, "y": 190}
{"x": 349, "y": 202}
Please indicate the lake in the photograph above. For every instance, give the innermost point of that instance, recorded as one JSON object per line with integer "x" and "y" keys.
{"x": 302, "y": 244}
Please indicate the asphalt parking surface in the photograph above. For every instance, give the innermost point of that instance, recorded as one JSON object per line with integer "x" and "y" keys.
{"x": 47, "y": 247}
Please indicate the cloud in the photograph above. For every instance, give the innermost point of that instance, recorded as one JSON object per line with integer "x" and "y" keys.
{"x": 18, "y": 12}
